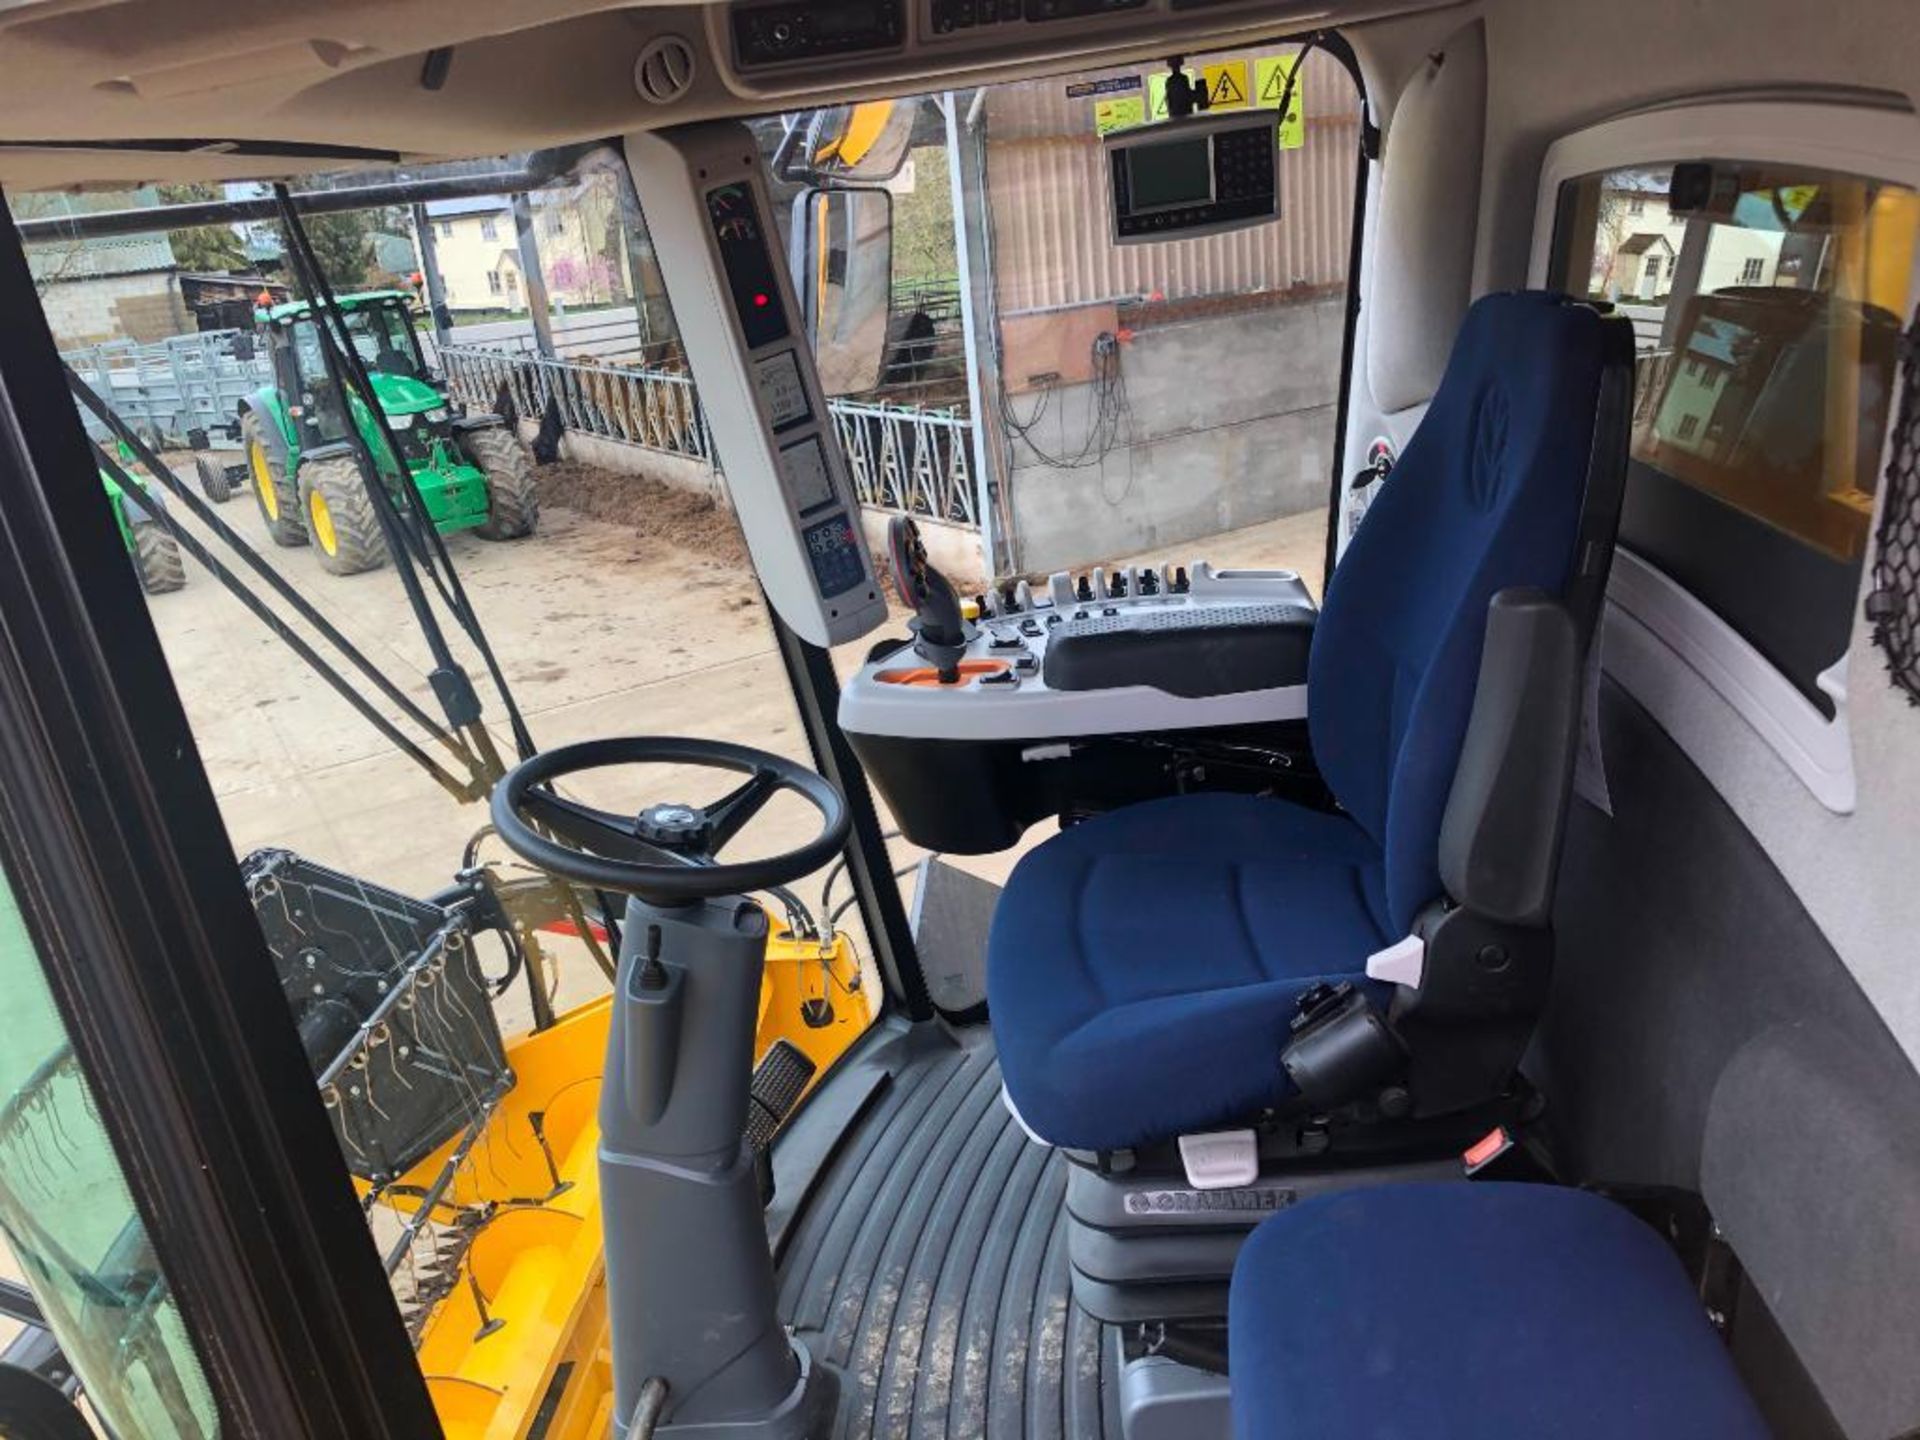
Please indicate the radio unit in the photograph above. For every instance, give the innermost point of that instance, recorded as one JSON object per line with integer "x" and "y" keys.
{"x": 781, "y": 34}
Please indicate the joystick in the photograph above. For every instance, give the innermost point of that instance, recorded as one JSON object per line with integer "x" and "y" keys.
{"x": 939, "y": 630}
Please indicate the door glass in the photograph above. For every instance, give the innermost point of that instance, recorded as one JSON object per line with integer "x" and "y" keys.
{"x": 451, "y": 1002}
{"x": 69, "y": 1221}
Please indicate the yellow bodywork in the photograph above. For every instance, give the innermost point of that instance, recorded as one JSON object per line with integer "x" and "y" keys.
{"x": 540, "y": 1350}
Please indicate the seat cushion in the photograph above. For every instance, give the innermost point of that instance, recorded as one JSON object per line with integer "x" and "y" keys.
{"x": 1143, "y": 965}
{"x": 1473, "y": 1310}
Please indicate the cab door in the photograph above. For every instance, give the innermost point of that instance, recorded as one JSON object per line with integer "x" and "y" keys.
{"x": 168, "y": 1174}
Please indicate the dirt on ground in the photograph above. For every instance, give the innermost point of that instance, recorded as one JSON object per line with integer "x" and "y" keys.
{"x": 689, "y": 522}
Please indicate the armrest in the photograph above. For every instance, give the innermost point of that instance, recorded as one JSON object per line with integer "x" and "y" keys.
{"x": 1505, "y": 816}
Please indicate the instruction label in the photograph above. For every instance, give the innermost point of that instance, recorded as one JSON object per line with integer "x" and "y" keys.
{"x": 1120, "y": 112}
{"x": 1112, "y": 85}
{"x": 1270, "y": 84}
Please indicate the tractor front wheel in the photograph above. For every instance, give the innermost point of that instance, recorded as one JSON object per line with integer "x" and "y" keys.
{"x": 273, "y": 491}
{"x": 513, "y": 494}
{"x": 340, "y": 516}
{"x": 156, "y": 555}
{"x": 213, "y": 478}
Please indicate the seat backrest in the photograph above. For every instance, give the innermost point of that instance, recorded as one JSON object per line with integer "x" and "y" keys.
{"x": 1487, "y": 496}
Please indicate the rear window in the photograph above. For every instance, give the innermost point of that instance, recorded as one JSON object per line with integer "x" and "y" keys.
{"x": 1768, "y": 303}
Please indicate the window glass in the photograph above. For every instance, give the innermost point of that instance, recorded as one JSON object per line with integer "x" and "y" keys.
{"x": 1767, "y": 302}
{"x": 71, "y": 1227}
{"x": 1139, "y": 399}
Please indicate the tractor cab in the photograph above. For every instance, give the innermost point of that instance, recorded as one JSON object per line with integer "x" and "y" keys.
{"x": 1213, "y": 733}
{"x": 382, "y": 327}
{"x": 310, "y": 437}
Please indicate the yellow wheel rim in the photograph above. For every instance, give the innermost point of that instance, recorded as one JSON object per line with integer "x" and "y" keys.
{"x": 320, "y": 521}
{"x": 263, "y": 481}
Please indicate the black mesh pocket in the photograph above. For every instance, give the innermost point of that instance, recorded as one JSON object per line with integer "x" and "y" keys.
{"x": 1893, "y": 605}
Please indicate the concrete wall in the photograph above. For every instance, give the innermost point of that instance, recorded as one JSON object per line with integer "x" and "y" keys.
{"x": 99, "y": 308}
{"x": 1230, "y": 423}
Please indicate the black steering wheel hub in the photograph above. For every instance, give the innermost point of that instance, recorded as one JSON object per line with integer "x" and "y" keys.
{"x": 673, "y": 827}
{"x": 669, "y": 853}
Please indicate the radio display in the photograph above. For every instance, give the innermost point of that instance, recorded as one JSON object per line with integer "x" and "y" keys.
{"x": 1176, "y": 172}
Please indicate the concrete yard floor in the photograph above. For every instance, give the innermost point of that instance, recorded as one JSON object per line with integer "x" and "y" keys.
{"x": 600, "y": 629}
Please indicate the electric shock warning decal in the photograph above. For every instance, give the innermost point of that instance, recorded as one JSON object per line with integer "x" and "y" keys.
{"x": 1231, "y": 85}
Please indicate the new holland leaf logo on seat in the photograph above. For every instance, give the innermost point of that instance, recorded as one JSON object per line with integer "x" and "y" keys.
{"x": 1231, "y": 85}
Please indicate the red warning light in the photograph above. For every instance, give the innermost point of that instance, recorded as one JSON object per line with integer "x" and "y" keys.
{"x": 761, "y": 299}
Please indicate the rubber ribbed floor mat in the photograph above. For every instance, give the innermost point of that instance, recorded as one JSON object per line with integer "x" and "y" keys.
{"x": 930, "y": 1269}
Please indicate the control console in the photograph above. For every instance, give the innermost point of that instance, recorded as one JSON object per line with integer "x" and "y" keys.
{"x": 1139, "y": 648}
{"x": 958, "y": 725}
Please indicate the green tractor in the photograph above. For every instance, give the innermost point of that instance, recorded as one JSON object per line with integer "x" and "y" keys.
{"x": 154, "y": 551}
{"x": 472, "y": 472}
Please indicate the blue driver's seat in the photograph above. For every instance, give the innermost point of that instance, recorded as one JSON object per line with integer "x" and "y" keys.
{"x": 1187, "y": 964}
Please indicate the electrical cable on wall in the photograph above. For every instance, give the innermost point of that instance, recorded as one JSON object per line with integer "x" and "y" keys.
{"x": 1109, "y": 408}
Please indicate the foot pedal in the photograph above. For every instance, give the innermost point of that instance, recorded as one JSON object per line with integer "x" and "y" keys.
{"x": 779, "y": 1080}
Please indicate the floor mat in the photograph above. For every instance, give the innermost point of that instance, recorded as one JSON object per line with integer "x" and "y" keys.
{"x": 930, "y": 1268}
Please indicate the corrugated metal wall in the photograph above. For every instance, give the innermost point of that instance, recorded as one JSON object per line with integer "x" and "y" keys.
{"x": 1047, "y": 188}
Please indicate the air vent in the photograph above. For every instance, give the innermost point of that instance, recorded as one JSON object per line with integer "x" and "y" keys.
{"x": 664, "y": 71}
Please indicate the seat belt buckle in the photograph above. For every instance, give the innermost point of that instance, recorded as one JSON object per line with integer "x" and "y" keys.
{"x": 1401, "y": 963}
{"x": 1220, "y": 1159}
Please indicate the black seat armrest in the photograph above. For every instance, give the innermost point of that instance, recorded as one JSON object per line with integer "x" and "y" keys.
{"x": 1505, "y": 816}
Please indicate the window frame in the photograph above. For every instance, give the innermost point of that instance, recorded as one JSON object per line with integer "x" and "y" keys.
{"x": 1846, "y": 132}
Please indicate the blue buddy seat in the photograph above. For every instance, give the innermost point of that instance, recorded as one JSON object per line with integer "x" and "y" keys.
{"x": 1465, "y": 1312}
{"x": 1143, "y": 966}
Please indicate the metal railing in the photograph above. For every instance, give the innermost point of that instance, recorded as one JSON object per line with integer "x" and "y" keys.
{"x": 170, "y": 388}
{"x": 917, "y": 460}
{"x": 908, "y": 459}
{"x": 649, "y": 408}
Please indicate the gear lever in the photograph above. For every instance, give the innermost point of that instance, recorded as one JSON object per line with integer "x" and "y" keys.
{"x": 939, "y": 631}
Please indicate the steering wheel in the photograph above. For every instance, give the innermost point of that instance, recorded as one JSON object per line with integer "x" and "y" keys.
{"x": 667, "y": 853}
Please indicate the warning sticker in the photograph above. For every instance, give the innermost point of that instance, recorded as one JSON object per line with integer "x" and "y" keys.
{"x": 1120, "y": 112}
{"x": 1270, "y": 84}
{"x": 1226, "y": 85}
{"x": 1157, "y": 94}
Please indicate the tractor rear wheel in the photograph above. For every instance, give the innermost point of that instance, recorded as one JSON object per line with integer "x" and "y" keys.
{"x": 340, "y": 517}
{"x": 273, "y": 491}
{"x": 513, "y": 494}
{"x": 213, "y": 479}
{"x": 156, "y": 555}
